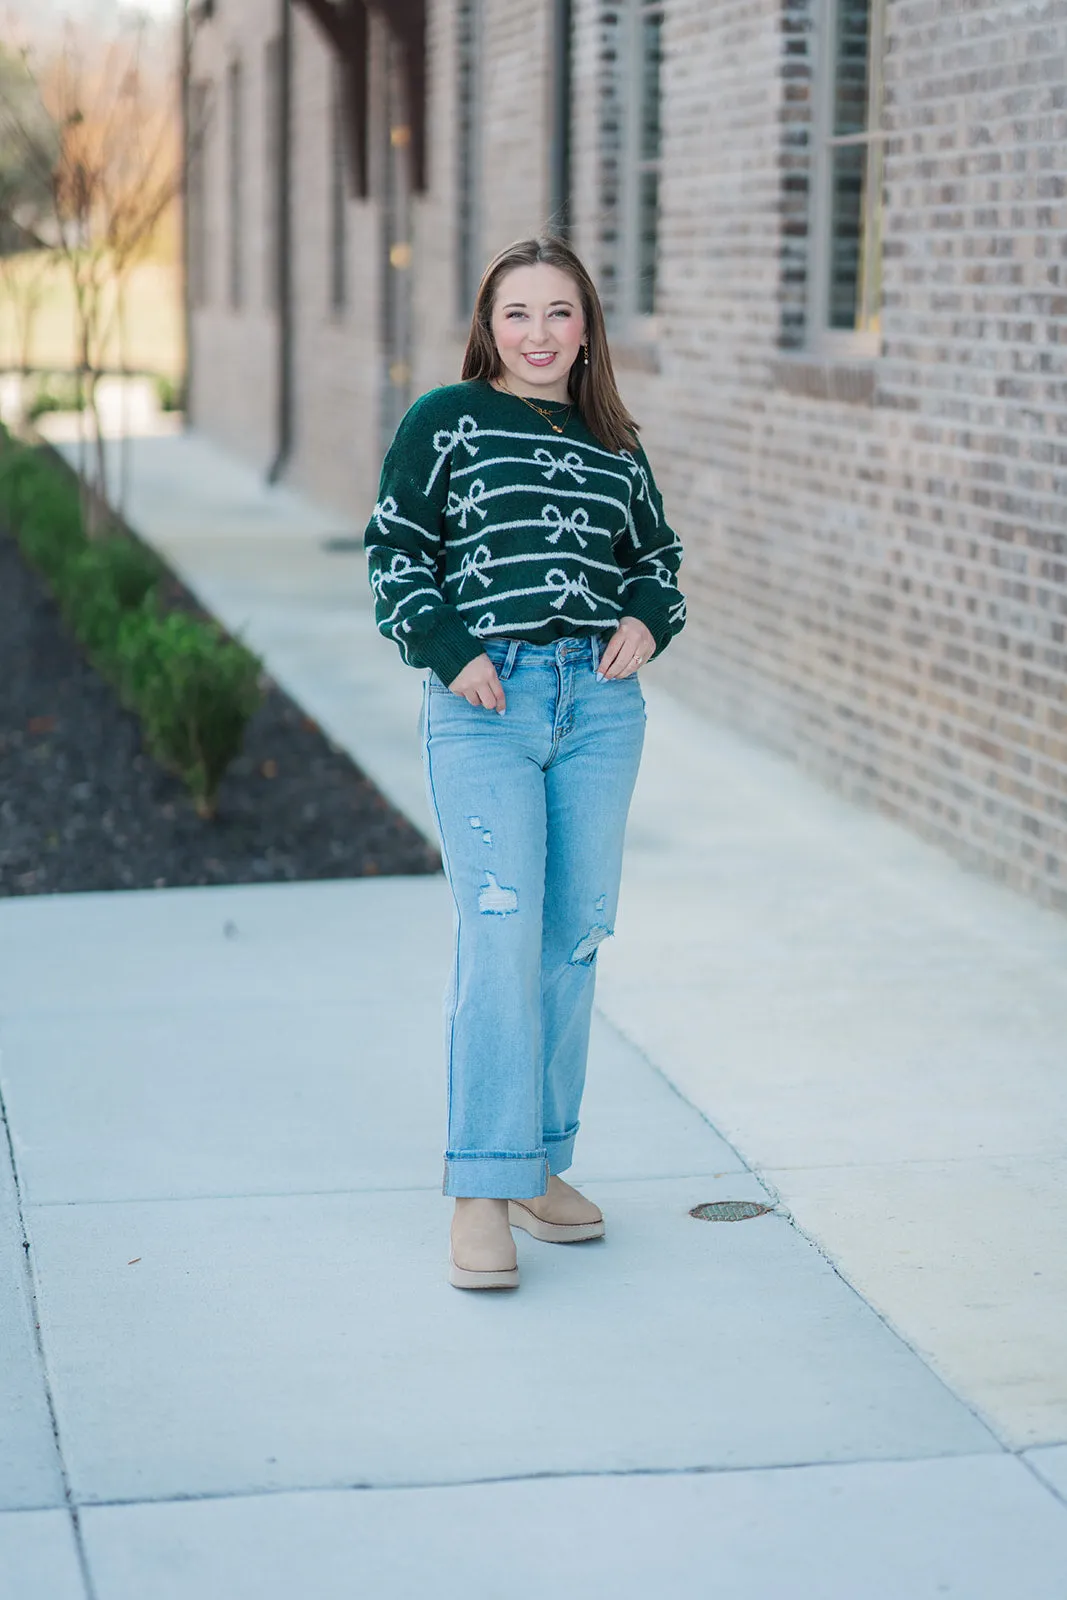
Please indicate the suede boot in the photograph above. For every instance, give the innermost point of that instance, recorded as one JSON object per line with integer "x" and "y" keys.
{"x": 560, "y": 1216}
{"x": 483, "y": 1252}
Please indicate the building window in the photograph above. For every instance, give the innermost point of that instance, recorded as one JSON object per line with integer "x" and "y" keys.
{"x": 645, "y": 159}
{"x": 197, "y": 192}
{"x": 235, "y": 184}
{"x": 631, "y": 157}
{"x": 338, "y": 197}
{"x": 845, "y": 257}
{"x": 468, "y": 154}
{"x": 272, "y": 145}
{"x": 559, "y": 162}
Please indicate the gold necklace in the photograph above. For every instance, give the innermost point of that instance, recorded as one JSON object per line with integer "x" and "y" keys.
{"x": 540, "y": 411}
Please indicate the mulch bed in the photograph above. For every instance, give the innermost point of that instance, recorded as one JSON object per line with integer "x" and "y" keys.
{"x": 83, "y": 806}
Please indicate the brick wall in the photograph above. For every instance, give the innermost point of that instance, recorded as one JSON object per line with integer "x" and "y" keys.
{"x": 876, "y": 554}
{"x": 336, "y": 364}
{"x": 232, "y": 365}
{"x": 876, "y": 560}
{"x": 514, "y": 165}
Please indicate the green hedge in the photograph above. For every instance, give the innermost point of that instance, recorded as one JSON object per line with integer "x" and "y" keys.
{"x": 193, "y": 688}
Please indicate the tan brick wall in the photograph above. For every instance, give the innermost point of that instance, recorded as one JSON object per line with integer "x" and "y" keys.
{"x": 876, "y": 565}
{"x": 514, "y": 165}
{"x": 336, "y": 372}
{"x": 438, "y": 343}
{"x": 232, "y": 365}
{"x": 336, "y": 363}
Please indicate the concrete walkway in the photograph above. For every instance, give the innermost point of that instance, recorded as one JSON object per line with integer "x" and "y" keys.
{"x": 250, "y": 1377}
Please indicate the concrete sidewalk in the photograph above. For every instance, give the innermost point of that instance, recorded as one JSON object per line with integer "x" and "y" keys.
{"x": 250, "y": 1377}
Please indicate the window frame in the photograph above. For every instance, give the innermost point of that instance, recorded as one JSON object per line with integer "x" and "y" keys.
{"x": 822, "y": 340}
{"x": 469, "y": 79}
{"x": 640, "y": 323}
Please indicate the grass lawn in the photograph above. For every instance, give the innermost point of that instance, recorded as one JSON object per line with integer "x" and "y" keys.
{"x": 153, "y": 315}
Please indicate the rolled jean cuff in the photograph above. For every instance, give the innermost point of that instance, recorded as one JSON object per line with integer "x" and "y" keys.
{"x": 560, "y": 1147}
{"x": 500, "y": 1175}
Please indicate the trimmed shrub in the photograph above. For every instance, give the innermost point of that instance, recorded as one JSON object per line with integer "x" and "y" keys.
{"x": 193, "y": 688}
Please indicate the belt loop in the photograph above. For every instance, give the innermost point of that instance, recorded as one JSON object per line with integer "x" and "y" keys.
{"x": 509, "y": 659}
{"x": 595, "y": 642}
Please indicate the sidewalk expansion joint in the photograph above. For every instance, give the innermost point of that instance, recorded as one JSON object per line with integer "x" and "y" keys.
{"x": 69, "y": 1499}
{"x": 696, "y": 1470}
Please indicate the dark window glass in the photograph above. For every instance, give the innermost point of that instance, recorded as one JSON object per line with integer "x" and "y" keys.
{"x": 647, "y": 241}
{"x": 649, "y": 138}
{"x": 846, "y": 232}
{"x": 851, "y": 63}
{"x": 468, "y": 247}
{"x": 651, "y": 62}
{"x": 854, "y": 154}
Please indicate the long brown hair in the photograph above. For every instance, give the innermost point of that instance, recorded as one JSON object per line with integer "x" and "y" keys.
{"x": 591, "y": 380}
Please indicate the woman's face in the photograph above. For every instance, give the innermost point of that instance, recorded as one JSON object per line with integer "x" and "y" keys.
{"x": 538, "y": 326}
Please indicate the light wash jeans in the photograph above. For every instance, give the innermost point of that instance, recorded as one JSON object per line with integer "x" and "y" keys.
{"x": 531, "y": 808}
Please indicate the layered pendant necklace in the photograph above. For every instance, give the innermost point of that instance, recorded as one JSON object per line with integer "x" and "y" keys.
{"x": 541, "y": 412}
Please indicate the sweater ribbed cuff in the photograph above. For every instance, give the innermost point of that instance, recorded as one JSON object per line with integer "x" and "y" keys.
{"x": 450, "y": 645}
{"x": 653, "y": 612}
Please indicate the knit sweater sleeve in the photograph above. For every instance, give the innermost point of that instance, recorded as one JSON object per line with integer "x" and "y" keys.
{"x": 404, "y": 542}
{"x": 649, "y": 554}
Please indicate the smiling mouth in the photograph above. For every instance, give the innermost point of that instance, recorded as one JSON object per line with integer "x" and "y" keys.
{"x": 539, "y": 358}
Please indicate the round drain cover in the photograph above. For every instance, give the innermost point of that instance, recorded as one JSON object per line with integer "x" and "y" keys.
{"x": 729, "y": 1210}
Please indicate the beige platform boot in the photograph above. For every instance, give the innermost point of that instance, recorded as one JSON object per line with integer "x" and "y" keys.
{"x": 483, "y": 1251}
{"x": 560, "y": 1216}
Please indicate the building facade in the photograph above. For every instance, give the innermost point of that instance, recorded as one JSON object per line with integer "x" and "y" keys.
{"x": 831, "y": 237}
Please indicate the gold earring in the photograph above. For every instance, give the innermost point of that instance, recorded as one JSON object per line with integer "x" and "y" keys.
{"x": 585, "y": 348}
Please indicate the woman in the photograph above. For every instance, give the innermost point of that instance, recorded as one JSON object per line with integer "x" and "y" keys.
{"x": 519, "y": 551}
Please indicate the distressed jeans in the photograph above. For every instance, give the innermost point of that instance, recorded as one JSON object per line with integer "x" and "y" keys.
{"x": 531, "y": 808}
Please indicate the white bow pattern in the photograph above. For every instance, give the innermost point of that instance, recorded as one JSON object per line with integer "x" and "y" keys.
{"x": 466, "y": 430}
{"x": 578, "y": 587}
{"x": 385, "y": 508}
{"x": 484, "y": 623}
{"x": 639, "y": 473}
{"x": 400, "y": 567}
{"x": 577, "y": 523}
{"x": 472, "y": 566}
{"x": 571, "y": 463}
{"x": 461, "y": 505}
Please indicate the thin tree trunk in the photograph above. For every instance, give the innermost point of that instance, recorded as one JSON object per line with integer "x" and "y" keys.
{"x": 124, "y": 440}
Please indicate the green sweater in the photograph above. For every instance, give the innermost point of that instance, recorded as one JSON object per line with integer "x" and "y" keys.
{"x": 491, "y": 525}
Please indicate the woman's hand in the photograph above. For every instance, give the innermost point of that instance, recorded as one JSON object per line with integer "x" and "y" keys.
{"x": 629, "y": 647}
{"x": 479, "y": 684}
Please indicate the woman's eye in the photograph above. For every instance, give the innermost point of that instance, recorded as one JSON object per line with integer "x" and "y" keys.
{"x": 561, "y": 313}
{"x": 513, "y": 316}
